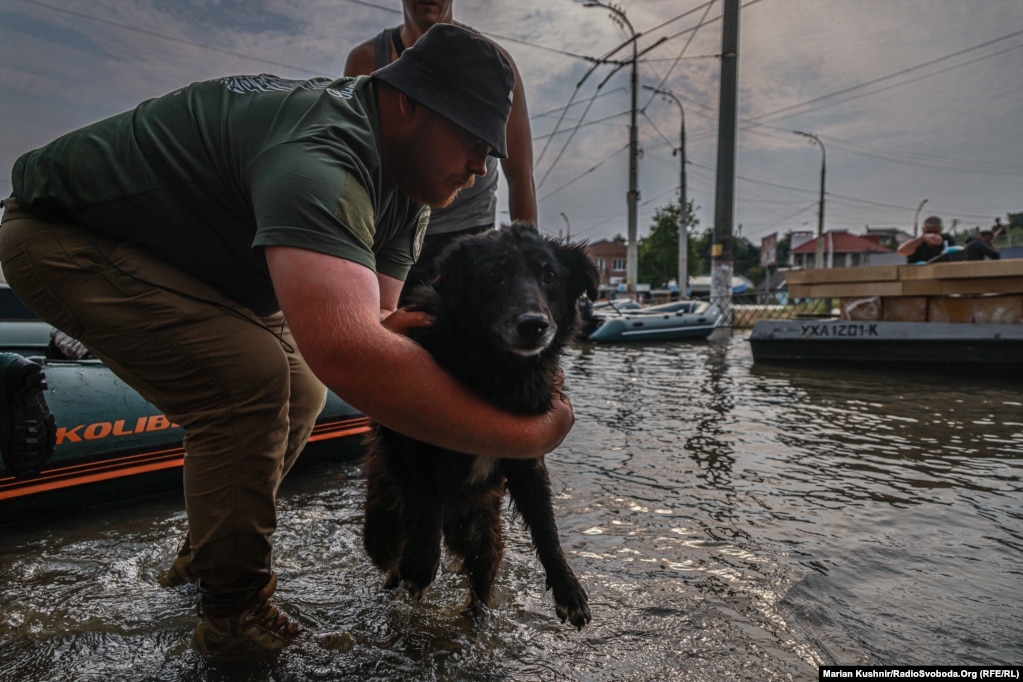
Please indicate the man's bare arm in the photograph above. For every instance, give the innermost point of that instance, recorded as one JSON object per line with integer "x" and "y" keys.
{"x": 518, "y": 167}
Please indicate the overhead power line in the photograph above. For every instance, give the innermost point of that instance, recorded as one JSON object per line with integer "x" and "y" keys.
{"x": 175, "y": 39}
{"x": 604, "y": 59}
{"x": 889, "y": 76}
{"x": 584, "y": 174}
{"x": 681, "y": 53}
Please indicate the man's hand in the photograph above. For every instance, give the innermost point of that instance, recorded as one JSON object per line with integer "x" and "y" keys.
{"x": 933, "y": 239}
{"x": 562, "y": 415}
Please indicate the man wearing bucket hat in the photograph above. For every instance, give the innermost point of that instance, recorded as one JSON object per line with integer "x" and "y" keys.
{"x": 231, "y": 247}
{"x": 473, "y": 210}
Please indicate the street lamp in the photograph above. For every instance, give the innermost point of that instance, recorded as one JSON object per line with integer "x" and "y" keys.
{"x": 568, "y": 227}
{"x": 916, "y": 218}
{"x": 632, "y": 252}
{"x": 683, "y": 216}
{"x": 820, "y": 209}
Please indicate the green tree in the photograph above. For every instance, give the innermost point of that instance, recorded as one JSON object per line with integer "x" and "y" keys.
{"x": 658, "y": 252}
{"x": 746, "y": 260}
{"x": 745, "y": 256}
{"x": 1013, "y": 230}
{"x": 784, "y": 248}
{"x": 700, "y": 246}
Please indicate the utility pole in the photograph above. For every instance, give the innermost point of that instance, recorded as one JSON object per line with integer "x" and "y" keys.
{"x": 568, "y": 227}
{"x": 683, "y": 216}
{"x": 820, "y": 207}
{"x": 632, "y": 251}
{"x": 724, "y": 199}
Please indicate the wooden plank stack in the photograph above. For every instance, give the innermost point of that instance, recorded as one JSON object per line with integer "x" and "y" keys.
{"x": 979, "y": 292}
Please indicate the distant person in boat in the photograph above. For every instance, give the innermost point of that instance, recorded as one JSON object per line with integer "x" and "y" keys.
{"x": 473, "y": 210}
{"x": 981, "y": 247}
{"x": 931, "y": 244}
{"x": 226, "y": 248}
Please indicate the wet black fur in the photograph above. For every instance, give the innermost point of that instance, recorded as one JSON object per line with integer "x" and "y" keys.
{"x": 497, "y": 290}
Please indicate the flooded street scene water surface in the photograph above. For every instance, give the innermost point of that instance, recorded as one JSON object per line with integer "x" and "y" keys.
{"x": 729, "y": 521}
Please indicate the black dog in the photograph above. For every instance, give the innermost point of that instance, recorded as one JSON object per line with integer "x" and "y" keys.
{"x": 505, "y": 306}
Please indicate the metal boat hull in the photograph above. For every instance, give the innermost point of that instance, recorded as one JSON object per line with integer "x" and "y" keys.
{"x": 992, "y": 347}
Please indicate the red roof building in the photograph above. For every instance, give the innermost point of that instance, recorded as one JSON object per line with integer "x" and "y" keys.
{"x": 841, "y": 250}
{"x": 609, "y": 257}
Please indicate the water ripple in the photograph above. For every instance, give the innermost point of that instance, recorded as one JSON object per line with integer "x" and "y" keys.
{"x": 729, "y": 521}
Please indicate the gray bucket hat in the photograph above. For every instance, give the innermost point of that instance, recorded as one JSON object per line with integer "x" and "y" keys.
{"x": 460, "y": 75}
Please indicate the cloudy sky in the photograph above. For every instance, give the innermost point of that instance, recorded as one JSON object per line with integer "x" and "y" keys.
{"x": 912, "y": 99}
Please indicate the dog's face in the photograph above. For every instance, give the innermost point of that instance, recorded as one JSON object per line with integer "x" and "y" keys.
{"x": 514, "y": 289}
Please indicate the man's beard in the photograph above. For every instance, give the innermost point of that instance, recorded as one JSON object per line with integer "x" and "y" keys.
{"x": 447, "y": 202}
{"x": 420, "y": 195}
{"x": 410, "y": 175}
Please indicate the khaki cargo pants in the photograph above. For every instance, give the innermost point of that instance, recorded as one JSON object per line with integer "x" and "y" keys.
{"x": 234, "y": 381}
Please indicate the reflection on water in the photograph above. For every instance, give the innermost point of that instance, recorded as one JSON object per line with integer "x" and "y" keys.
{"x": 727, "y": 520}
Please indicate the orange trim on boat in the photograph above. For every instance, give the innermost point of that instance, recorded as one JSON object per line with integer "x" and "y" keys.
{"x": 349, "y": 427}
{"x": 142, "y": 463}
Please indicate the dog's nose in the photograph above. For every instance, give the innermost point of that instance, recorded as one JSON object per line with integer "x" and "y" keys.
{"x": 532, "y": 326}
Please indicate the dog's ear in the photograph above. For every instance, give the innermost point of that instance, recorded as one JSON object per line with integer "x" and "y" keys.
{"x": 450, "y": 268}
{"x": 584, "y": 278}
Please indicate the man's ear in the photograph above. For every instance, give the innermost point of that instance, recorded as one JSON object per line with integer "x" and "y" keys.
{"x": 407, "y": 106}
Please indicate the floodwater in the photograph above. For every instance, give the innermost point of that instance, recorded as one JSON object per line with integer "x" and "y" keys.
{"x": 729, "y": 521}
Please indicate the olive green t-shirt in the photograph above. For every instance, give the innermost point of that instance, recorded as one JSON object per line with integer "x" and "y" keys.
{"x": 208, "y": 175}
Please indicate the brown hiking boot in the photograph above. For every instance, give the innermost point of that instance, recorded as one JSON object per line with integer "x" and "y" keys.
{"x": 180, "y": 572}
{"x": 261, "y": 629}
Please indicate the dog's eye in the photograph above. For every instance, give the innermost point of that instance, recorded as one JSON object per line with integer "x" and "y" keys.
{"x": 549, "y": 276}
{"x": 495, "y": 277}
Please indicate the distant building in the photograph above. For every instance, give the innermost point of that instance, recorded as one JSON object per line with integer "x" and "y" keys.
{"x": 841, "y": 250}
{"x": 889, "y": 236}
{"x": 609, "y": 257}
{"x": 797, "y": 239}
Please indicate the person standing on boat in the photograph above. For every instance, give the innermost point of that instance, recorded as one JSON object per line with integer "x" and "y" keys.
{"x": 231, "y": 247}
{"x": 931, "y": 244}
{"x": 473, "y": 210}
{"x": 982, "y": 247}
{"x": 998, "y": 228}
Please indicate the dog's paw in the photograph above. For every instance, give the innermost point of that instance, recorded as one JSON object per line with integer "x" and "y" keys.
{"x": 477, "y": 612}
{"x": 392, "y": 581}
{"x": 578, "y": 614}
{"x": 571, "y": 604}
{"x": 414, "y": 590}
